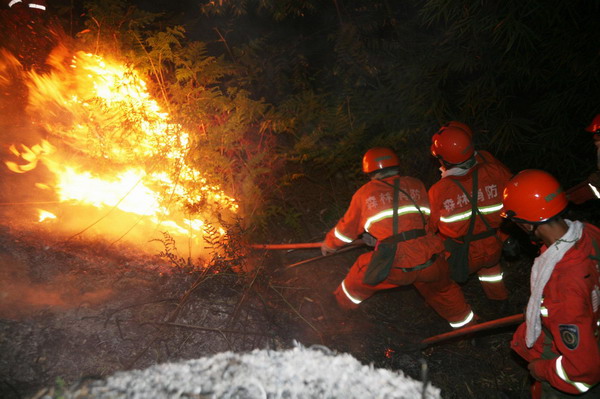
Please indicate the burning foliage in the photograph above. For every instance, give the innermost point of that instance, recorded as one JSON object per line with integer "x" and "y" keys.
{"x": 108, "y": 160}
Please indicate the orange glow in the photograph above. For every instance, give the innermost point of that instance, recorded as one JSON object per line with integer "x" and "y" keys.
{"x": 29, "y": 155}
{"x": 111, "y": 146}
{"x": 45, "y": 215}
{"x": 121, "y": 191}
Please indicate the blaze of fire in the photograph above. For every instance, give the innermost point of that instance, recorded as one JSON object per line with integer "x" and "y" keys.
{"x": 30, "y": 155}
{"x": 111, "y": 145}
{"x": 45, "y": 215}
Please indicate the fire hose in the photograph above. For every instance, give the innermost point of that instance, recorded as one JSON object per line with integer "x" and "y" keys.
{"x": 302, "y": 245}
{"x": 306, "y": 245}
{"x": 505, "y": 321}
{"x": 342, "y": 250}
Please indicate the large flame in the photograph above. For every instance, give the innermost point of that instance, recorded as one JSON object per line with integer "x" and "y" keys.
{"x": 109, "y": 145}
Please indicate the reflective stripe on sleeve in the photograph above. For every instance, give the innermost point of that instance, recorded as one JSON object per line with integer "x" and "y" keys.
{"x": 581, "y": 386}
{"x": 342, "y": 237}
{"x": 38, "y": 6}
{"x": 464, "y": 322}
{"x": 353, "y": 299}
{"x": 388, "y": 213}
{"x": 466, "y": 215}
{"x": 13, "y": 2}
{"x": 493, "y": 278}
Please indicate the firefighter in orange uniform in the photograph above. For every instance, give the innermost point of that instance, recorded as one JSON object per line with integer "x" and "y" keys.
{"x": 465, "y": 208}
{"x": 589, "y": 189}
{"x": 561, "y": 335}
{"x": 395, "y": 211}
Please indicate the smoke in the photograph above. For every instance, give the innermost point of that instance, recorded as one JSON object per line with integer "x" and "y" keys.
{"x": 20, "y": 296}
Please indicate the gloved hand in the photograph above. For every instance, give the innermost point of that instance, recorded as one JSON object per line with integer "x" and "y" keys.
{"x": 326, "y": 250}
{"x": 369, "y": 240}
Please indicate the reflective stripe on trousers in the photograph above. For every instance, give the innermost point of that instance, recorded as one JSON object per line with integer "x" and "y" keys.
{"x": 492, "y": 278}
{"x": 463, "y": 322}
{"x": 350, "y": 297}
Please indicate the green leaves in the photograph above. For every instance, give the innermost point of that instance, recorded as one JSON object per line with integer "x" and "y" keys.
{"x": 163, "y": 46}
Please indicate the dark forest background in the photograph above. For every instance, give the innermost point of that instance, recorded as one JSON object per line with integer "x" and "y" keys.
{"x": 285, "y": 96}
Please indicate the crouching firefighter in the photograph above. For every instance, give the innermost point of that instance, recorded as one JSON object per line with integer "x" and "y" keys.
{"x": 465, "y": 209}
{"x": 561, "y": 335}
{"x": 395, "y": 210}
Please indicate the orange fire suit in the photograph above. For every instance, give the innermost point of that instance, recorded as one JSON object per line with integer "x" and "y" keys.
{"x": 451, "y": 213}
{"x": 418, "y": 260}
{"x": 569, "y": 343}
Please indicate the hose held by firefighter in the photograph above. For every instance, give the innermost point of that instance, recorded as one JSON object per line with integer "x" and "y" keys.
{"x": 465, "y": 208}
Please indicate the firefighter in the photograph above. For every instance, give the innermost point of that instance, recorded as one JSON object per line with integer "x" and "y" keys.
{"x": 465, "y": 209}
{"x": 561, "y": 335}
{"x": 589, "y": 189}
{"x": 395, "y": 211}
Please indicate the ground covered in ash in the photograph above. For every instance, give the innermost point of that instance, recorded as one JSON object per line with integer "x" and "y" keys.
{"x": 81, "y": 309}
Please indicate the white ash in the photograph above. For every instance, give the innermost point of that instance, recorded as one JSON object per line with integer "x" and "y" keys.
{"x": 296, "y": 373}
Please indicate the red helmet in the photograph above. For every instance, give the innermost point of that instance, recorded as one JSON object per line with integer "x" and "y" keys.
{"x": 379, "y": 158}
{"x": 460, "y": 125}
{"x": 452, "y": 145}
{"x": 594, "y": 127}
{"x": 533, "y": 196}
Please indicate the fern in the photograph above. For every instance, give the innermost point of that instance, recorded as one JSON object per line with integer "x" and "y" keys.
{"x": 170, "y": 252}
